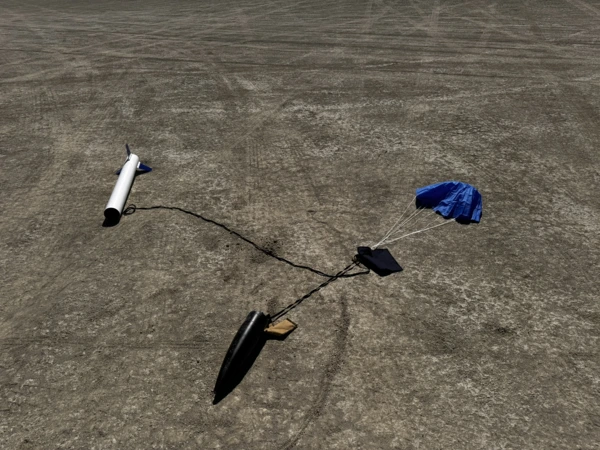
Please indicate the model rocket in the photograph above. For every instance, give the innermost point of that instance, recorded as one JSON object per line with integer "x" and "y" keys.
{"x": 114, "y": 207}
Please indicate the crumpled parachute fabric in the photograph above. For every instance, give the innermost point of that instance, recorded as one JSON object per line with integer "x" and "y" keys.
{"x": 453, "y": 200}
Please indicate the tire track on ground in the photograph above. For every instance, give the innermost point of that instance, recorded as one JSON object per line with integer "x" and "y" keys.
{"x": 332, "y": 368}
{"x": 70, "y": 56}
{"x": 588, "y": 115}
{"x": 305, "y": 169}
{"x": 584, "y": 6}
{"x": 253, "y": 150}
{"x": 254, "y": 178}
{"x": 27, "y": 341}
{"x": 497, "y": 26}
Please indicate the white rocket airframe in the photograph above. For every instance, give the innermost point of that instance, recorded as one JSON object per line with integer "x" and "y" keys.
{"x": 114, "y": 207}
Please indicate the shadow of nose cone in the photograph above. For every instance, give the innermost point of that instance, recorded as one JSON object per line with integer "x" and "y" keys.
{"x": 241, "y": 355}
{"x": 111, "y": 217}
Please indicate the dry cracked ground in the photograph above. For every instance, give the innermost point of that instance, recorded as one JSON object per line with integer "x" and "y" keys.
{"x": 304, "y": 126}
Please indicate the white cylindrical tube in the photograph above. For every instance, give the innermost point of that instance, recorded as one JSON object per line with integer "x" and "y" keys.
{"x": 114, "y": 207}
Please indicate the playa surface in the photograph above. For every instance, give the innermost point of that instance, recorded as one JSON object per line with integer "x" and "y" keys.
{"x": 305, "y": 127}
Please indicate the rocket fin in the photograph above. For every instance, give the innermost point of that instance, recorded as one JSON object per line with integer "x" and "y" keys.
{"x": 144, "y": 168}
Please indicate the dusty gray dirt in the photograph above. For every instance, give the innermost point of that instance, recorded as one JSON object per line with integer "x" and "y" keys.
{"x": 305, "y": 126}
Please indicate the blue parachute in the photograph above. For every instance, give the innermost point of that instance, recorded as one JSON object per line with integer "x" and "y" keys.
{"x": 452, "y": 199}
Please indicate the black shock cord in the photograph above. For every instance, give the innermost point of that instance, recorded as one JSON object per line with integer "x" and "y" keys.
{"x": 296, "y": 303}
{"x": 330, "y": 278}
